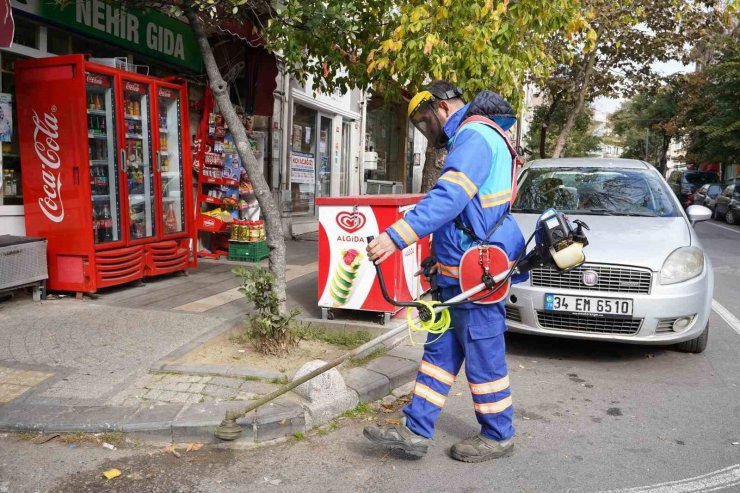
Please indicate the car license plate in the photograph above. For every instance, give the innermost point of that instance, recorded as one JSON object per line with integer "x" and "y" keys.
{"x": 612, "y": 307}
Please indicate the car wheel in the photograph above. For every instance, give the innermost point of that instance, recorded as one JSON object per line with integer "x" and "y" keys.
{"x": 697, "y": 345}
{"x": 730, "y": 217}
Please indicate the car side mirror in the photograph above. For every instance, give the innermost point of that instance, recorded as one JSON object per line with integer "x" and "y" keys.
{"x": 698, "y": 213}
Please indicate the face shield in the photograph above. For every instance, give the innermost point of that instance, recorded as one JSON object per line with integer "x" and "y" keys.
{"x": 423, "y": 115}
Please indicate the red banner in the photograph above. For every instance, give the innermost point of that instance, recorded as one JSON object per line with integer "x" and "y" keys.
{"x": 7, "y": 26}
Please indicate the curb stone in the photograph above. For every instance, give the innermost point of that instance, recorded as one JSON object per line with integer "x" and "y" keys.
{"x": 196, "y": 422}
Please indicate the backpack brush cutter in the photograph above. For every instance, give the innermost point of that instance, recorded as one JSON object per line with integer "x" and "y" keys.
{"x": 557, "y": 245}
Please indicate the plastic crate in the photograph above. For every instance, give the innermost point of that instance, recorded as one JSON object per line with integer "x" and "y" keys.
{"x": 248, "y": 251}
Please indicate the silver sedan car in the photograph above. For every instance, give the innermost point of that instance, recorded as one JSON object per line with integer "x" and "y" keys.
{"x": 646, "y": 279}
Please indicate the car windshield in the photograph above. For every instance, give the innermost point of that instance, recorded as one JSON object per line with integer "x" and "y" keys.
{"x": 595, "y": 191}
{"x": 700, "y": 177}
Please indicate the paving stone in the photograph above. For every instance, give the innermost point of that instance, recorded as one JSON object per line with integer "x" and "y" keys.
{"x": 220, "y": 392}
{"x": 196, "y": 388}
{"x": 90, "y": 419}
{"x": 175, "y": 379}
{"x": 10, "y": 392}
{"x": 399, "y": 371}
{"x": 153, "y": 395}
{"x": 180, "y": 387}
{"x": 233, "y": 383}
{"x": 167, "y": 396}
{"x": 253, "y": 387}
{"x": 183, "y": 397}
{"x": 277, "y": 419}
{"x": 406, "y": 351}
{"x": 369, "y": 385}
{"x": 197, "y": 422}
{"x": 196, "y": 379}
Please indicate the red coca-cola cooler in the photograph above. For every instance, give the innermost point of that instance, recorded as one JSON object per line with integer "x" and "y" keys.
{"x": 347, "y": 279}
{"x": 105, "y": 156}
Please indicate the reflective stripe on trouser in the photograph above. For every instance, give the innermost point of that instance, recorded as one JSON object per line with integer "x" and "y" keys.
{"x": 476, "y": 338}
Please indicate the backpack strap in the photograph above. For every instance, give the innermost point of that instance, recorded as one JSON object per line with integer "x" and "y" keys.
{"x": 491, "y": 124}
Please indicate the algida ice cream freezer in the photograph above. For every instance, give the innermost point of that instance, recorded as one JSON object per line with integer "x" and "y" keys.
{"x": 347, "y": 280}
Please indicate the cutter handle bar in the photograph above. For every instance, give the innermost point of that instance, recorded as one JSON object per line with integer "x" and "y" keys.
{"x": 461, "y": 297}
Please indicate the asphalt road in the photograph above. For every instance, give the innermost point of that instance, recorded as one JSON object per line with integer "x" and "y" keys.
{"x": 590, "y": 417}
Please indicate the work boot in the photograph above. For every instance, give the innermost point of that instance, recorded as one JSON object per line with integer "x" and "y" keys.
{"x": 398, "y": 437}
{"x": 480, "y": 448}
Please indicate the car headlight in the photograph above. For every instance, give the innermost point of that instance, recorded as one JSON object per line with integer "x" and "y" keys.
{"x": 681, "y": 265}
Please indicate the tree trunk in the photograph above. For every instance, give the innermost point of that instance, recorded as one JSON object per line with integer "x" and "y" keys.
{"x": 433, "y": 161}
{"x": 543, "y": 137}
{"x": 572, "y": 115}
{"x": 274, "y": 229}
{"x": 546, "y": 124}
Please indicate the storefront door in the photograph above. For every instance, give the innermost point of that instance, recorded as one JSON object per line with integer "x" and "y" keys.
{"x": 303, "y": 176}
{"x": 323, "y": 176}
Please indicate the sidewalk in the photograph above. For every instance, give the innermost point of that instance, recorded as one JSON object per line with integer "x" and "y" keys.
{"x": 102, "y": 364}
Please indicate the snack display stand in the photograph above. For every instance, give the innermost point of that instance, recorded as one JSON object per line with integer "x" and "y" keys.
{"x": 228, "y": 213}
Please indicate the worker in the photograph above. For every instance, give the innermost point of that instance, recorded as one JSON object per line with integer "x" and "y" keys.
{"x": 472, "y": 195}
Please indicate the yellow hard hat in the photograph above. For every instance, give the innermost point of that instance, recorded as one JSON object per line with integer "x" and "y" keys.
{"x": 417, "y": 100}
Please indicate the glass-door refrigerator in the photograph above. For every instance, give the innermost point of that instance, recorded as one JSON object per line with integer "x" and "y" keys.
{"x": 99, "y": 172}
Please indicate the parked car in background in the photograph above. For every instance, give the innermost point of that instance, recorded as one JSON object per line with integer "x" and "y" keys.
{"x": 707, "y": 194}
{"x": 646, "y": 279}
{"x": 728, "y": 204}
{"x": 685, "y": 183}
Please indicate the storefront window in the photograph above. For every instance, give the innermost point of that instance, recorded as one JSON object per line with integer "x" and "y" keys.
{"x": 303, "y": 160}
{"x": 26, "y": 33}
{"x": 10, "y": 189}
{"x": 384, "y": 136}
{"x": 57, "y": 42}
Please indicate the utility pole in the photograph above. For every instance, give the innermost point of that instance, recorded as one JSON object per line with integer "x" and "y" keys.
{"x": 647, "y": 139}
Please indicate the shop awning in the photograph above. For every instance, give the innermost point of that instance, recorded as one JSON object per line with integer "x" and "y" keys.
{"x": 244, "y": 30}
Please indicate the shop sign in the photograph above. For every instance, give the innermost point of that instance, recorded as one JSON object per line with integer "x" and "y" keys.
{"x": 148, "y": 32}
{"x": 302, "y": 168}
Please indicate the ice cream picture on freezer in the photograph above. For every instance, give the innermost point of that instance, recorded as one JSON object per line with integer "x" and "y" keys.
{"x": 344, "y": 276}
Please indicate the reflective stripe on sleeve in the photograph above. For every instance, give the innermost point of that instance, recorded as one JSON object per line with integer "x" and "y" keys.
{"x": 459, "y": 178}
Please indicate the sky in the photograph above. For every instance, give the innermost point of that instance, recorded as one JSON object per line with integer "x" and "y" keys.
{"x": 609, "y": 105}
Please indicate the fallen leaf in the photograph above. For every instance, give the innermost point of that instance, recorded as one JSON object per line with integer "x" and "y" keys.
{"x": 525, "y": 418}
{"x": 194, "y": 447}
{"x": 387, "y": 410}
{"x": 387, "y": 406}
{"x": 111, "y": 474}
{"x": 393, "y": 421}
{"x": 171, "y": 449}
{"x": 522, "y": 367}
{"x": 458, "y": 394}
{"x": 281, "y": 422}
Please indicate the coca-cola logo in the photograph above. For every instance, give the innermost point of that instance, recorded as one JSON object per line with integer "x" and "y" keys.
{"x": 45, "y": 143}
{"x": 351, "y": 221}
{"x": 95, "y": 79}
{"x": 165, "y": 93}
{"x": 133, "y": 87}
{"x": 208, "y": 223}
